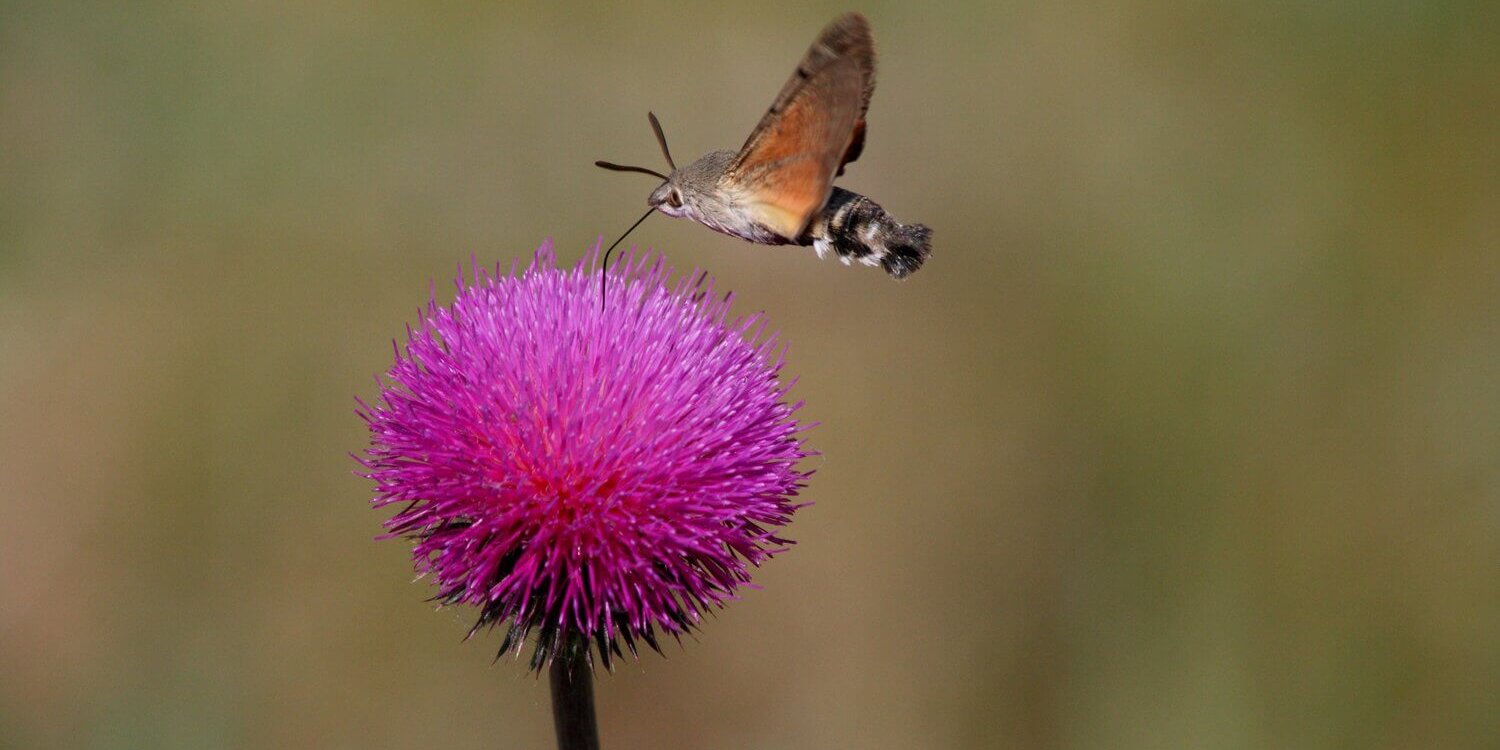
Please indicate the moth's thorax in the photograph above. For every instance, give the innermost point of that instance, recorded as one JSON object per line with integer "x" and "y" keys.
{"x": 710, "y": 200}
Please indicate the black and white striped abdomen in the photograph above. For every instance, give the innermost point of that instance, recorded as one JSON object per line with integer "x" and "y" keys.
{"x": 855, "y": 228}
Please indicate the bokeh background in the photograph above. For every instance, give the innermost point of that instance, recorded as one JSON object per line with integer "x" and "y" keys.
{"x": 1187, "y": 437}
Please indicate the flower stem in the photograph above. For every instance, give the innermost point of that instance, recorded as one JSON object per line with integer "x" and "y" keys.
{"x": 573, "y": 701}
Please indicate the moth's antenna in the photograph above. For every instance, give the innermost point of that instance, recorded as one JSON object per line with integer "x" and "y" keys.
{"x": 624, "y": 168}
{"x": 604, "y": 269}
{"x": 662, "y": 139}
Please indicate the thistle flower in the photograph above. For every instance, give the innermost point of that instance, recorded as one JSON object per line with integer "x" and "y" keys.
{"x": 581, "y": 474}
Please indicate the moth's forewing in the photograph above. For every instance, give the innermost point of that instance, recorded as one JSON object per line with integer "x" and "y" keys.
{"x": 785, "y": 170}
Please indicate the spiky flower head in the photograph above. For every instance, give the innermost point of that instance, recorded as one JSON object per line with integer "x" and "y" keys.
{"x": 577, "y": 471}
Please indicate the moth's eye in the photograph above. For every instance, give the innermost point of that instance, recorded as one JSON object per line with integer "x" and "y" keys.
{"x": 674, "y": 199}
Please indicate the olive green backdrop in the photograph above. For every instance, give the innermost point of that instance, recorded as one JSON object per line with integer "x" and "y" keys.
{"x": 1187, "y": 437}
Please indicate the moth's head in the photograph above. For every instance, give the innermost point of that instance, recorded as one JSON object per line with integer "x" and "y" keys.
{"x": 673, "y": 195}
{"x": 694, "y": 191}
{"x": 668, "y": 197}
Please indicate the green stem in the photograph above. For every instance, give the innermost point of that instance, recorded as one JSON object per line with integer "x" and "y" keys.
{"x": 573, "y": 700}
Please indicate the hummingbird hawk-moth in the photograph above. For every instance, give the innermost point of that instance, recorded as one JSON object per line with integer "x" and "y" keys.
{"x": 778, "y": 188}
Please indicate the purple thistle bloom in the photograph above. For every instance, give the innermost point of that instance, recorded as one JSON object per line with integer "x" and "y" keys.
{"x": 573, "y": 471}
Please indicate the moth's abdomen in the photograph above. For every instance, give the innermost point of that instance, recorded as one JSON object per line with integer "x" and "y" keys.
{"x": 856, "y": 228}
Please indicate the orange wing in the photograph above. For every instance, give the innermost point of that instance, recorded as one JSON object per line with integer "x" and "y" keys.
{"x": 786, "y": 168}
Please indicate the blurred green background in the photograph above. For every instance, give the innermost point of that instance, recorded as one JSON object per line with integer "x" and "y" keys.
{"x": 1187, "y": 437}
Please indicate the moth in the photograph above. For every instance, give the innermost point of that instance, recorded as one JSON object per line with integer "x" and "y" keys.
{"x": 778, "y": 188}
